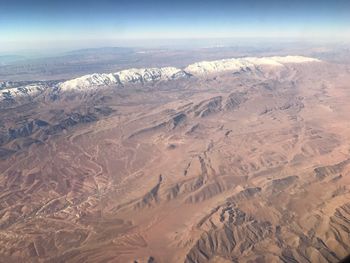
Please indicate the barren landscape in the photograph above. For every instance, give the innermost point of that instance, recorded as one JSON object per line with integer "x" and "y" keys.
{"x": 241, "y": 160}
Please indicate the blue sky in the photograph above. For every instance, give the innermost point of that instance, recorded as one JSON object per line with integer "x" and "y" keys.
{"x": 71, "y": 24}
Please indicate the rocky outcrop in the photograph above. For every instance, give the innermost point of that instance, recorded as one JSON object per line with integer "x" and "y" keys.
{"x": 234, "y": 100}
{"x": 22, "y": 130}
{"x": 150, "y": 197}
{"x": 229, "y": 236}
{"x": 40, "y": 129}
{"x": 207, "y": 107}
{"x": 173, "y": 122}
{"x": 324, "y": 171}
{"x": 282, "y": 183}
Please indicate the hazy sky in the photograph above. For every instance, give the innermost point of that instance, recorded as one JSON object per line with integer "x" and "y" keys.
{"x": 81, "y": 23}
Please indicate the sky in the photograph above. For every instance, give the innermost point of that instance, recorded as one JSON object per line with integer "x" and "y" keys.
{"x": 71, "y": 24}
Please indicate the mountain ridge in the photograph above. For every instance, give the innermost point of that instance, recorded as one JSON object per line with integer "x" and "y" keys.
{"x": 151, "y": 75}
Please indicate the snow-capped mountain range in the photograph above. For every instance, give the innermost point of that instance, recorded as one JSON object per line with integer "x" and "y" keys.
{"x": 151, "y": 75}
{"x": 128, "y": 76}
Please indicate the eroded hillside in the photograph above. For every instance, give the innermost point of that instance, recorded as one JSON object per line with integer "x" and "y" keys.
{"x": 240, "y": 164}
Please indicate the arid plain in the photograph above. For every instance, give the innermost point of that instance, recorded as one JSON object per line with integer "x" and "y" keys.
{"x": 244, "y": 166}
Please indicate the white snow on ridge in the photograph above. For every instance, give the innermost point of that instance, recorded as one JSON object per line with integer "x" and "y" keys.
{"x": 19, "y": 92}
{"x": 237, "y": 64}
{"x": 149, "y": 74}
{"x": 88, "y": 81}
{"x": 123, "y": 77}
{"x": 294, "y": 59}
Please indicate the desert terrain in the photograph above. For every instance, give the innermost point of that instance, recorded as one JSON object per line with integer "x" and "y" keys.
{"x": 250, "y": 164}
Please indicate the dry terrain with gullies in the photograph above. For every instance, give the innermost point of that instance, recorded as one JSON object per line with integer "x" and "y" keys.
{"x": 226, "y": 161}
